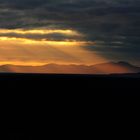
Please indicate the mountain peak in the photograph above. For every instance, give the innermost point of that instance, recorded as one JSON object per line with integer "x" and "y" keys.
{"x": 124, "y": 63}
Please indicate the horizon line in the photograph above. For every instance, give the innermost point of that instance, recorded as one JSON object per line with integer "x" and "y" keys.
{"x": 64, "y": 64}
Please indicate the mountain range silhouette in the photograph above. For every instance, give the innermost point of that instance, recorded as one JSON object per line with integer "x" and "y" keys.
{"x": 103, "y": 68}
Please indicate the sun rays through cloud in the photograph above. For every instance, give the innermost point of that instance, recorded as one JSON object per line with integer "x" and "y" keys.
{"x": 43, "y": 46}
{"x": 38, "y": 32}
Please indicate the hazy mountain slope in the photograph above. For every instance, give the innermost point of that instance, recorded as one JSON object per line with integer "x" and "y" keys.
{"x": 104, "y": 68}
{"x": 120, "y": 67}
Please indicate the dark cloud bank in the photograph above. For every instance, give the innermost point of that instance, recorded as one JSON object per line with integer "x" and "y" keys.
{"x": 113, "y": 24}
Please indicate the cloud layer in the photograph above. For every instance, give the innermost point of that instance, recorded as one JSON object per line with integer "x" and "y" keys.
{"x": 113, "y": 24}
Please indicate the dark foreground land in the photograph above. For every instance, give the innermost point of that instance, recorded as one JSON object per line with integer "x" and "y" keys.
{"x": 17, "y": 134}
{"x": 35, "y": 101}
{"x": 57, "y": 84}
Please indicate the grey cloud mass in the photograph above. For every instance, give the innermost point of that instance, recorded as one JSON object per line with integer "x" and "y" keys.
{"x": 113, "y": 24}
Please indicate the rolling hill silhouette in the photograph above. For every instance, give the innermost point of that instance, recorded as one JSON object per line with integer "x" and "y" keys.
{"x": 103, "y": 68}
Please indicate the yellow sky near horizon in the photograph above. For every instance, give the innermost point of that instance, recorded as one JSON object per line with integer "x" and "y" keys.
{"x": 20, "y": 50}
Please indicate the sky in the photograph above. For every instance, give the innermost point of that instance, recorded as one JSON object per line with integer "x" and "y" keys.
{"x": 37, "y": 32}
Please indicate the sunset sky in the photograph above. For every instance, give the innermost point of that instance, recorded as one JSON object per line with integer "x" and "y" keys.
{"x": 38, "y": 32}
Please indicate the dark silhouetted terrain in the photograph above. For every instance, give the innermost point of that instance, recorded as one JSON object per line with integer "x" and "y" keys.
{"x": 32, "y": 98}
{"x": 17, "y": 134}
{"x": 48, "y": 84}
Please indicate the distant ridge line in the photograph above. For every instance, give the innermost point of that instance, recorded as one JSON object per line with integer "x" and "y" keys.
{"x": 101, "y": 68}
